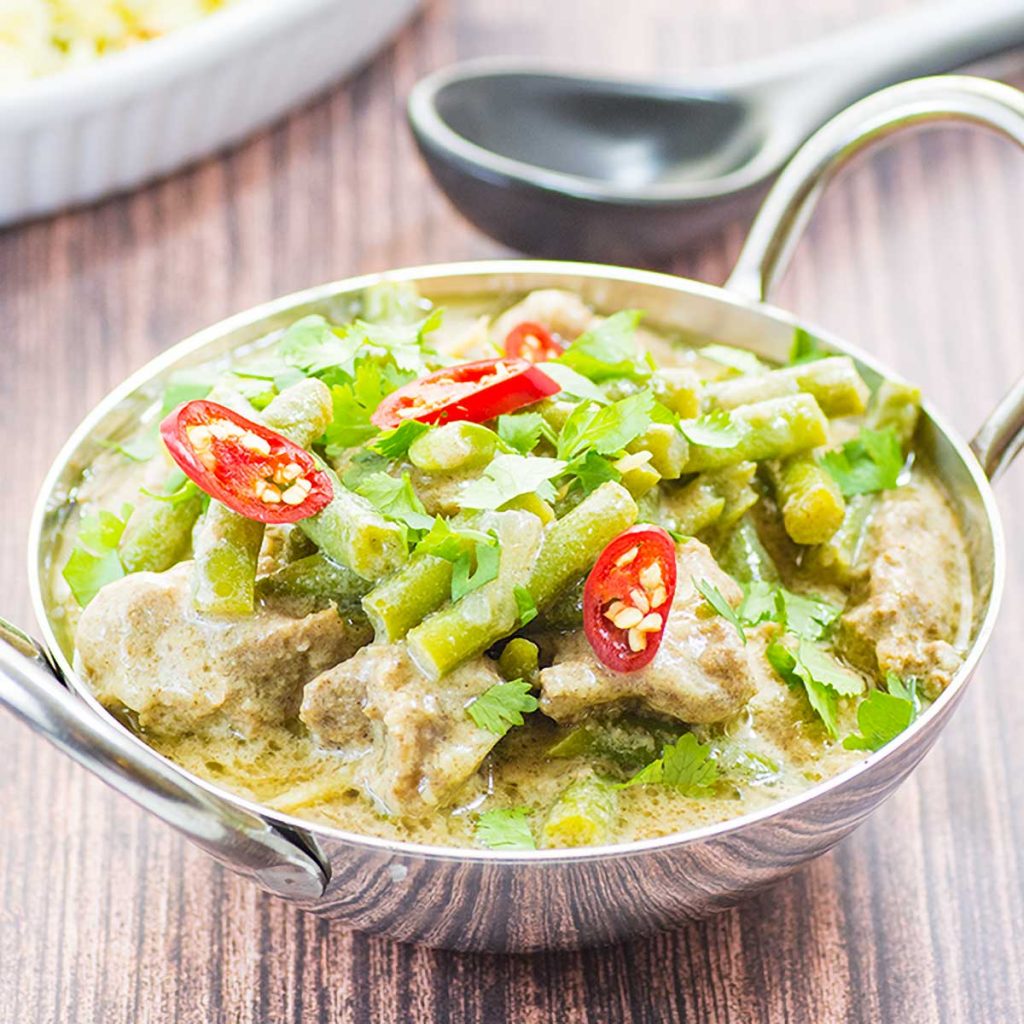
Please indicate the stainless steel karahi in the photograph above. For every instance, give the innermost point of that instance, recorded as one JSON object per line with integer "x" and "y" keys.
{"x": 503, "y": 901}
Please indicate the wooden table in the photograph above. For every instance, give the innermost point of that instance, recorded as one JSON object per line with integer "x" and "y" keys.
{"x": 105, "y": 916}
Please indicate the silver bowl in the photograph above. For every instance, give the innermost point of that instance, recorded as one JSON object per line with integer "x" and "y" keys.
{"x": 502, "y": 901}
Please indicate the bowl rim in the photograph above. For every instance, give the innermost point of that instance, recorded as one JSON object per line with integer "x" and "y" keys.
{"x": 67, "y": 93}
{"x": 509, "y": 268}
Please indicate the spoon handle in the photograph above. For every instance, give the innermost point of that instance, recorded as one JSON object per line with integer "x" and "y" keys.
{"x": 825, "y": 76}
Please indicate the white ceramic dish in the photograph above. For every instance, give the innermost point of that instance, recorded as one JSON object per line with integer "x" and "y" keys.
{"x": 85, "y": 133}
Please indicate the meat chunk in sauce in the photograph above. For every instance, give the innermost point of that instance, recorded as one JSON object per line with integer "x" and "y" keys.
{"x": 699, "y": 675}
{"x": 562, "y": 313}
{"x": 142, "y": 646}
{"x": 423, "y": 745}
{"x": 913, "y": 596}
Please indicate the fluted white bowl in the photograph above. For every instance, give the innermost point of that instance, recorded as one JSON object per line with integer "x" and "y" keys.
{"x": 124, "y": 119}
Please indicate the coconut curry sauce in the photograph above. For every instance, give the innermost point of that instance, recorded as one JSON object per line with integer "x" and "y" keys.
{"x": 597, "y": 587}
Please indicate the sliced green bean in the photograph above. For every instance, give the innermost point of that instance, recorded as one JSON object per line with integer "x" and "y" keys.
{"x": 519, "y": 659}
{"x": 533, "y": 504}
{"x": 718, "y": 497}
{"x": 572, "y": 543}
{"x": 833, "y": 382}
{"x": 469, "y": 626}
{"x": 667, "y": 446}
{"x": 742, "y": 555}
{"x": 898, "y": 406}
{"x": 454, "y": 446}
{"x": 837, "y": 558}
{"x": 678, "y": 388}
{"x": 626, "y": 742}
{"x": 301, "y": 412}
{"x": 310, "y": 584}
{"x": 583, "y": 815}
{"x": 809, "y": 498}
{"x": 407, "y": 597}
{"x": 773, "y": 430}
{"x": 639, "y": 477}
{"x": 159, "y": 533}
{"x": 351, "y": 531}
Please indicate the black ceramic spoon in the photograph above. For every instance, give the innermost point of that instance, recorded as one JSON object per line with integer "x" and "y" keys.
{"x": 567, "y": 165}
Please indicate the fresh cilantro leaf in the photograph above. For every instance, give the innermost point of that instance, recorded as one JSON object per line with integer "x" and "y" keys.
{"x": 870, "y": 462}
{"x": 139, "y": 449}
{"x": 906, "y": 690}
{"x": 572, "y": 383}
{"x": 396, "y": 499}
{"x": 394, "y": 444}
{"x": 94, "y": 561}
{"x": 526, "y": 605}
{"x": 807, "y": 616}
{"x": 354, "y": 403}
{"x": 522, "y": 431}
{"x": 508, "y": 476}
{"x": 609, "y": 350}
{"x": 444, "y": 541}
{"x": 686, "y": 765}
{"x": 186, "y": 385}
{"x": 311, "y": 342}
{"x": 715, "y": 429}
{"x": 759, "y": 603}
{"x": 806, "y": 348}
{"x": 466, "y": 578}
{"x": 738, "y": 359}
{"x": 714, "y": 597}
{"x": 824, "y": 680}
{"x": 605, "y": 430}
{"x": 502, "y": 706}
{"x": 592, "y": 470}
{"x": 506, "y": 829}
{"x": 881, "y": 717}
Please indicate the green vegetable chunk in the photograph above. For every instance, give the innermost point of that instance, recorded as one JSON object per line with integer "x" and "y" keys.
{"x": 810, "y": 499}
{"x": 519, "y": 659}
{"x": 407, "y": 597}
{"x": 571, "y": 544}
{"x": 310, "y": 584}
{"x": 452, "y": 447}
{"x": 583, "y": 815}
{"x": 769, "y": 430}
{"x": 159, "y": 533}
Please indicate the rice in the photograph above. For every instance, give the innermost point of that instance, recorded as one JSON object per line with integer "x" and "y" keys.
{"x": 41, "y": 37}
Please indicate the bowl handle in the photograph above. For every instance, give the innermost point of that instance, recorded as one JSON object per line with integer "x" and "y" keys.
{"x": 788, "y": 206}
{"x": 30, "y": 685}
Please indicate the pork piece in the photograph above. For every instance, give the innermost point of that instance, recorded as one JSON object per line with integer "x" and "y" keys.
{"x": 562, "y": 313}
{"x": 141, "y": 645}
{"x": 424, "y": 745}
{"x": 699, "y": 675}
{"x": 914, "y": 593}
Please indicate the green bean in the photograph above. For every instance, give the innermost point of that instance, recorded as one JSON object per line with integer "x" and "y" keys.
{"x": 351, "y": 531}
{"x": 626, "y": 742}
{"x": 519, "y": 659}
{"x": 718, "y": 497}
{"x": 454, "y": 446}
{"x": 898, "y": 406}
{"x": 773, "y": 430}
{"x": 679, "y": 389}
{"x": 742, "y": 555}
{"x": 407, "y": 597}
{"x": 733, "y": 484}
{"x": 572, "y": 543}
{"x": 639, "y": 477}
{"x": 159, "y": 533}
{"x": 310, "y": 584}
{"x": 226, "y": 547}
{"x": 669, "y": 449}
{"x": 583, "y": 815}
{"x": 469, "y": 626}
{"x": 833, "y": 382}
{"x": 810, "y": 500}
{"x": 837, "y": 558}
{"x": 555, "y": 412}
{"x": 302, "y": 412}
{"x": 533, "y": 504}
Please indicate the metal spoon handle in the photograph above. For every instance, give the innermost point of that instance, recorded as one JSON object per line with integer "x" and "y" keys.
{"x": 823, "y": 77}
{"x": 244, "y": 842}
{"x": 788, "y": 206}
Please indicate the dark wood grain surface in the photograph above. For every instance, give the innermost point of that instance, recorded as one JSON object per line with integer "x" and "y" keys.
{"x": 918, "y": 254}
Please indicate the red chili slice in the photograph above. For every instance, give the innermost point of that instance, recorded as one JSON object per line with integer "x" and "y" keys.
{"x": 627, "y": 597}
{"x": 533, "y": 342}
{"x": 254, "y": 471}
{"x": 470, "y": 391}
